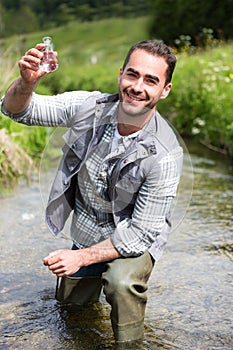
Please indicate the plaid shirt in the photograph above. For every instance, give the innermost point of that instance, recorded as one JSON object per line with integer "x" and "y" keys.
{"x": 93, "y": 210}
{"x": 150, "y": 190}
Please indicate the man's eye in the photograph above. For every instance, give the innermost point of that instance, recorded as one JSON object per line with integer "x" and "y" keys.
{"x": 131, "y": 74}
{"x": 151, "y": 81}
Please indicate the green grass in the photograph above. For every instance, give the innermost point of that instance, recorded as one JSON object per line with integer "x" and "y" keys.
{"x": 107, "y": 41}
{"x": 200, "y": 103}
{"x": 76, "y": 44}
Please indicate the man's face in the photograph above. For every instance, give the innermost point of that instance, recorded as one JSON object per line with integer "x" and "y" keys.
{"x": 142, "y": 83}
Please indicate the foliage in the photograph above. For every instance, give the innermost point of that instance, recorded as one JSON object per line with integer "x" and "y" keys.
{"x": 26, "y": 16}
{"x": 200, "y": 103}
{"x": 90, "y": 54}
{"x": 83, "y": 68}
{"x": 14, "y": 162}
{"x": 31, "y": 139}
{"x": 84, "y": 53}
{"x": 172, "y": 18}
{"x": 19, "y": 145}
{"x": 205, "y": 40}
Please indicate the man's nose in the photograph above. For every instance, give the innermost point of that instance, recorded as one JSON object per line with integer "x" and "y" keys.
{"x": 138, "y": 85}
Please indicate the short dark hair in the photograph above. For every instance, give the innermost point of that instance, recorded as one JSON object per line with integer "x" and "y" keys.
{"x": 157, "y": 48}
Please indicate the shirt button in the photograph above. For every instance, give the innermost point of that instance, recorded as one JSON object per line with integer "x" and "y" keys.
{"x": 65, "y": 182}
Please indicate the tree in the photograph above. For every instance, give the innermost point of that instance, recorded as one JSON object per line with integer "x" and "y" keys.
{"x": 21, "y": 21}
{"x": 172, "y": 18}
{"x": 49, "y": 13}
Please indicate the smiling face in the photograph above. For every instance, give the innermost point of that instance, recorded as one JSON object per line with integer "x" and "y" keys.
{"x": 142, "y": 84}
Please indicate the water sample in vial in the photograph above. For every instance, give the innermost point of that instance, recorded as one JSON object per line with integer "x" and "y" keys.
{"x": 49, "y": 61}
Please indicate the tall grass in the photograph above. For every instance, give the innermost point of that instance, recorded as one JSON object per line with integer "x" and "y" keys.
{"x": 200, "y": 104}
{"x": 20, "y": 146}
{"x": 90, "y": 55}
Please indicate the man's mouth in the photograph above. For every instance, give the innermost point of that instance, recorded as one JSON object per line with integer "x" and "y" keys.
{"x": 134, "y": 98}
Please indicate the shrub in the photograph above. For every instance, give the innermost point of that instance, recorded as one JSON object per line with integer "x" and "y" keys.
{"x": 200, "y": 104}
{"x": 14, "y": 162}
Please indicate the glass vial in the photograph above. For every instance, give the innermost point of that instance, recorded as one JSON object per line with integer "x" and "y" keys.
{"x": 49, "y": 61}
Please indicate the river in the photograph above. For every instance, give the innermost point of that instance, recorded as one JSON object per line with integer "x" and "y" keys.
{"x": 190, "y": 290}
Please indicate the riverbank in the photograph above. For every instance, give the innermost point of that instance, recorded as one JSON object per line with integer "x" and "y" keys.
{"x": 14, "y": 163}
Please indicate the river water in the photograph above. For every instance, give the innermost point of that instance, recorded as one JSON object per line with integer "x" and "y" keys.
{"x": 190, "y": 291}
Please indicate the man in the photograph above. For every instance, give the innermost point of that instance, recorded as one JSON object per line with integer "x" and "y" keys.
{"x": 119, "y": 174}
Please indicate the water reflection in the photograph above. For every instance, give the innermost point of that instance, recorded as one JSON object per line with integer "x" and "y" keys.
{"x": 190, "y": 294}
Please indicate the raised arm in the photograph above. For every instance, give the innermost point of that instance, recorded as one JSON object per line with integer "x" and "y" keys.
{"x": 19, "y": 94}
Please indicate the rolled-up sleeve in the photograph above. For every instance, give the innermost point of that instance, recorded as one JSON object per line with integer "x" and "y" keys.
{"x": 57, "y": 110}
{"x": 133, "y": 236}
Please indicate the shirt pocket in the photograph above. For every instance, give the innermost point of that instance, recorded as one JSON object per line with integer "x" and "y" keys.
{"x": 126, "y": 190}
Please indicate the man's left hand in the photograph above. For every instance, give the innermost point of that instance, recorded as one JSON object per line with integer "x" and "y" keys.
{"x": 63, "y": 262}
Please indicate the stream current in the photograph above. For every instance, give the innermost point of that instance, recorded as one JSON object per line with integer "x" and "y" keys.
{"x": 190, "y": 290}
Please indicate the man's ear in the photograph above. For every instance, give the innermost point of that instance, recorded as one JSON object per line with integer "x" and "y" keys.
{"x": 120, "y": 75}
{"x": 166, "y": 91}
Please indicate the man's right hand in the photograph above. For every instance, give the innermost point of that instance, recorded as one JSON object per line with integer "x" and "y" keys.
{"x": 19, "y": 93}
{"x": 29, "y": 64}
